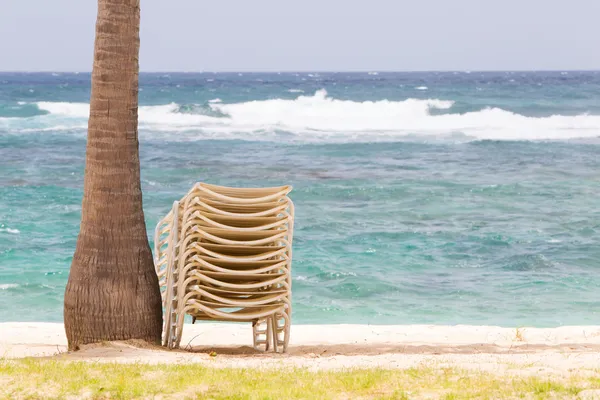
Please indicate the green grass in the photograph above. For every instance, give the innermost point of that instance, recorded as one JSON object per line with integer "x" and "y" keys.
{"x": 48, "y": 379}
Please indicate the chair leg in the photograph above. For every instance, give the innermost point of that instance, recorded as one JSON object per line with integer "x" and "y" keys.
{"x": 178, "y": 325}
{"x": 166, "y": 329}
{"x": 261, "y": 335}
{"x": 282, "y": 329}
{"x": 273, "y": 330}
{"x": 286, "y": 331}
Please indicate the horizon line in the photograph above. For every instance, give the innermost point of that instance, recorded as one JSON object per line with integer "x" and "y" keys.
{"x": 366, "y": 71}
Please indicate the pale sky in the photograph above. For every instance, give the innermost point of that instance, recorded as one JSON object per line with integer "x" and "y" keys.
{"x": 316, "y": 35}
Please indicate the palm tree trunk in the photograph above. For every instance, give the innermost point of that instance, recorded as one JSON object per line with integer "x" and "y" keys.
{"x": 112, "y": 292}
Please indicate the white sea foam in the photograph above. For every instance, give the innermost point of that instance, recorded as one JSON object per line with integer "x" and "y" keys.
{"x": 296, "y": 91}
{"x": 217, "y": 100}
{"x": 66, "y": 109}
{"x": 421, "y": 88}
{"x": 10, "y": 230}
{"x": 5, "y": 286}
{"x": 319, "y": 117}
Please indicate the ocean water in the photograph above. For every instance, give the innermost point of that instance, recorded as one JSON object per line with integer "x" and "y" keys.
{"x": 442, "y": 198}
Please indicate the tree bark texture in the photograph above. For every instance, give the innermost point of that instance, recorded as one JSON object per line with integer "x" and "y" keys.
{"x": 112, "y": 292}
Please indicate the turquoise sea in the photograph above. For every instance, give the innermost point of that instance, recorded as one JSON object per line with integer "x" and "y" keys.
{"x": 442, "y": 198}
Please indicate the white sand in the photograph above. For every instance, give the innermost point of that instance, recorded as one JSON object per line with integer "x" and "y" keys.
{"x": 525, "y": 351}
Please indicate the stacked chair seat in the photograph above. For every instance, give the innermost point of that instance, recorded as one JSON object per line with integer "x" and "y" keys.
{"x": 225, "y": 254}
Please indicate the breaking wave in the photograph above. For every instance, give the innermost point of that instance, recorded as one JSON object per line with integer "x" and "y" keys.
{"x": 6, "y": 286}
{"x": 320, "y": 117}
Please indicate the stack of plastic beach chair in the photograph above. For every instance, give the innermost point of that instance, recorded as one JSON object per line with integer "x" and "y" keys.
{"x": 225, "y": 254}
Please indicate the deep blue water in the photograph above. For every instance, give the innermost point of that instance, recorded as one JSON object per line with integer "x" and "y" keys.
{"x": 437, "y": 198}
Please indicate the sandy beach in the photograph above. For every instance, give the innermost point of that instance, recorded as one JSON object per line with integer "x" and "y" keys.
{"x": 532, "y": 351}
